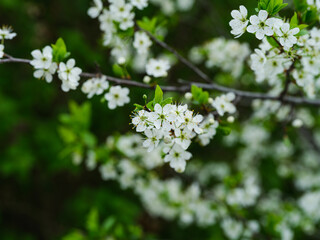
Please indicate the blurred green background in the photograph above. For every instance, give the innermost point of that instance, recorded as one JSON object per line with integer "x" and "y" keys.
{"x": 42, "y": 195}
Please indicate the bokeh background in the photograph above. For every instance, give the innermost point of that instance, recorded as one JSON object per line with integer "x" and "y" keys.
{"x": 42, "y": 194}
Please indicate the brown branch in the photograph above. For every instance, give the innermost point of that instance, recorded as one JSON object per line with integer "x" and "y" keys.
{"x": 187, "y": 87}
{"x": 287, "y": 82}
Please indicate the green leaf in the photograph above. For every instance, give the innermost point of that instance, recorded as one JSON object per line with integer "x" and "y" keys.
{"x": 196, "y": 91}
{"x": 92, "y": 224}
{"x": 138, "y": 107}
{"x": 310, "y": 16}
{"x": 76, "y": 235}
{"x": 272, "y": 42}
{"x": 150, "y": 105}
{"x": 204, "y": 97}
{"x": 108, "y": 224}
{"x": 118, "y": 70}
{"x": 302, "y": 32}
{"x": 225, "y": 131}
{"x": 294, "y": 21}
{"x": 199, "y": 95}
{"x": 158, "y": 97}
{"x": 148, "y": 24}
{"x": 67, "y": 134}
{"x": 301, "y": 5}
{"x": 59, "y": 51}
{"x": 278, "y": 8}
{"x": 302, "y": 26}
{"x": 89, "y": 139}
{"x": 166, "y": 101}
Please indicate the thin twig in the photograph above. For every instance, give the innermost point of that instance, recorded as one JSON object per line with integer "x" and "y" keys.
{"x": 187, "y": 87}
{"x": 182, "y": 59}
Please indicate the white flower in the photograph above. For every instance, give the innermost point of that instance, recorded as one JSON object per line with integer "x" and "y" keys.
{"x": 183, "y": 137}
{"x": 286, "y": 35}
{"x": 223, "y": 104}
{"x": 311, "y": 65}
{"x": 46, "y": 73}
{"x": 208, "y": 126}
{"x": 232, "y": 228}
{"x": 106, "y": 22}
{"x": 178, "y": 112}
{"x": 140, "y": 4}
{"x": 185, "y": 5}
{"x": 258, "y": 60}
{"x": 161, "y": 117}
{"x": 1, "y": 50}
{"x": 95, "y": 10}
{"x": 141, "y": 42}
{"x": 153, "y": 139}
{"x": 177, "y": 158}
{"x": 95, "y": 86}
{"x": 302, "y": 78}
{"x": 126, "y": 22}
{"x": 240, "y": 22}
{"x": 108, "y": 171}
{"x": 157, "y": 68}
{"x": 119, "y": 10}
{"x": 140, "y": 121}
{"x": 6, "y": 33}
{"x": 69, "y": 75}
{"x": 42, "y": 60}
{"x": 297, "y": 123}
{"x": 261, "y": 26}
{"x": 117, "y": 96}
{"x": 192, "y": 122}
{"x": 91, "y": 161}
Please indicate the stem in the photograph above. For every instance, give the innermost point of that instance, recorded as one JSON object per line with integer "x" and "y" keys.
{"x": 187, "y": 87}
{"x": 182, "y": 59}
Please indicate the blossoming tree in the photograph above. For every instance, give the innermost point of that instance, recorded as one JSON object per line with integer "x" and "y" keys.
{"x": 174, "y": 118}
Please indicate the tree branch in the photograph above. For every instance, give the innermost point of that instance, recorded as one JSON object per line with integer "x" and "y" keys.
{"x": 182, "y": 59}
{"x": 187, "y": 87}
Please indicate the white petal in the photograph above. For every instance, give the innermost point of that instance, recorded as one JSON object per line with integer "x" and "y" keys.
{"x": 263, "y": 15}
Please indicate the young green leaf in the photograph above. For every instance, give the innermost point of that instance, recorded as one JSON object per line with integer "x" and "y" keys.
{"x": 158, "y": 97}
{"x": 166, "y": 101}
{"x": 294, "y": 21}
{"x": 59, "y": 51}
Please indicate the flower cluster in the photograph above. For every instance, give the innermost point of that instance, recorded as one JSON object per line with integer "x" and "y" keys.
{"x": 176, "y": 126}
{"x": 269, "y": 63}
{"x": 5, "y": 33}
{"x": 169, "y": 7}
{"x": 141, "y": 42}
{"x": 228, "y": 55}
{"x": 157, "y": 67}
{"x": 45, "y": 67}
{"x": 117, "y": 96}
{"x": 288, "y": 52}
{"x": 223, "y": 104}
{"x": 69, "y": 75}
{"x": 314, "y": 3}
{"x": 262, "y": 25}
{"x": 95, "y": 86}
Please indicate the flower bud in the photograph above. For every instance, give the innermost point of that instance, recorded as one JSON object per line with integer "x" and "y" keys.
{"x": 121, "y": 60}
{"x": 230, "y": 119}
{"x": 147, "y": 79}
{"x": 188, "y": 95}
{"x": 211, "y": 121}
{"x": 144, "y": 96}
{"x": 210, "y": 100}
{"x": 297, "y": 123}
